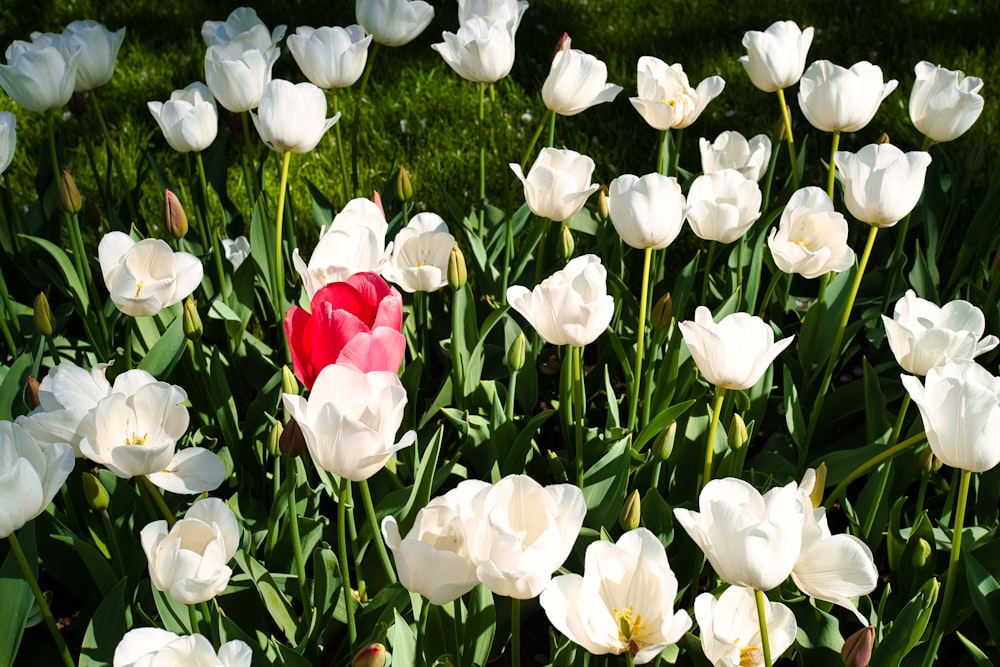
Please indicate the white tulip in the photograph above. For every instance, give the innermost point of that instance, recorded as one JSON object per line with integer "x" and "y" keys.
{"x": 189, "y": 119}
{"x": 236, "y": 250}
{"x": 730, "y": 627}
{"x": 481, "y": 51}
{"x": 242, "y": 25}
{"x": 330, "y": 57}
{"x": 237, "y": 74}
{"x": 723, "y": 205}
{"x": 147, "y": 276}
{"x": 731, "y": 150}
{"x": 811, "y": 238}
{"x": 292, "y": 117}
{"x": 31, "y": 474}
{"x": 881, "y": 183}
{"x": 420, "y": 255}
{"x": 146, "y": 647}
{"x": 776, "y": 57}
{"x": 98, "y": 48}
{"x": 558, "y": 183}
{"x": 666, "y": 100}
{"x": 393, "y": 22}
{"x": 834, "y": 99}
{"x": 646, "y": 212}
{"x": 508, "y": 11}
{"x": 944, "y": 103}
{"x": 38, "y": 75}
{"x": 576, "y": 82}
{"x": 8, "y": 139}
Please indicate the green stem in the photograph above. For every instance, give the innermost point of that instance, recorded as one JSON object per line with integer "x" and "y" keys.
{"x": 43, "y": 606}
{"x": 129, "y": 323}
{"x": 279, "y": 272}
{"x": 156, "y": 495}
{"x": 206, "y": 617}
{"x": 706, "y": 473}
{"x": 356, "y": 127}
{"x": 542, "y": 122}
{"x": 515, "y": 632}
{"x": 511, "y": 395}
{"x": 456, "y": 611}
{"x": 249, "y": 168}
{"x": 383, "y": 555}
{"x": 293, "y": 527}
{"x": 214, "y": 232}
{"x": 765, "y": 642}
{"x": 114, "y": 155}
{"x": 193, "y": 619}
{"x": 552, "y": 130}
{"x": 345, "y": 575}
{"x": 458, "y": 305}
{"x": 708, "y": 271}
{"x": 352, "y": 535}
{"x": 831, "y": 178}
{"x": 10, "y": 316}
{"x": 771, "y": 286}
{"x": 662, "y": 154}
{"x": 884, "y": 455}
{"x": 578, "y": 409}
{"x": 883, "y": 479}
{"x": 344, "y": 174}
{"x": 944, "y": 614}
{"x": 633, "y": 405}
{"x": 482, "y": 156}
{"x": 425, "y": 608}
{"x": 786, "y": 115}
{"x": 675, "y": 157}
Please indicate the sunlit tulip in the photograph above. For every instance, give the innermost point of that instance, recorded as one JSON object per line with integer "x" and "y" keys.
{"x": 189, "y": 119}
{"x": 881, "y": 183}
{"x": 433, "y": 559}
{"x": 750, "y": 540}
{"x": 241, "y": 25}
{"x": 576, "y": 82}
{"x": 67, "y": 395}
{"x": 723, "y": 205}
{"x": 558, "y": 183}
{"x": 734, "y": 353}
{"x": 420, "y": 255}
{"x": 481, "y": 51}
{"x": 520, "y": 532}
{"x": 923, "y": 336}
{"x": 944, "y": 103}
{"x": 292, "y": 116}
{"x": 508, "y": 11}
{"x": 330, "y": 57}
{"x": 149, "y": 647}
{"x": 666, "y": 100}
{"x": 730, "y": 628}
{"x": 8, "y": 139}
{"x": 393, "y": 22}
{"x": 38, "y": 75}
{"x": 98, "y": 48}
{"x": 776, "y": 57}
{"x": 31, "y": 474}
{"x": 237, "y": 75}
{"x": 811, "y": 238}
{"x": 189, "y": 559}
{"x": 960, "y": 407}
{"x": 353, "y": 243}
{"x": 622, "y": 603}
{"x": 147, "y": 276}
{"x": 646, "y": 212}
{"x": 351, "y": 418}
{"x": 570, "y": 307}
{"x": 236, "y": 250}
{"x": 834, "y": 99}
{"x": 731, "y": 150}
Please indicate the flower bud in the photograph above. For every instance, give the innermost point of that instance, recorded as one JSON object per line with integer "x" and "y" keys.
{"x": 602, "y": 202}
{"x": 291, "y": 442}
{"x": 33, "y": 388}
{"x": 289, "y": 385}
{"x": 921, "y": 553}
{"x": 274, "y": 438}
{"x": 192, "y": 321}
{"x": 373, "y": 655}
{"x": 631, "y": 512}
{"x": 663, "y": 312}
{"x": 562, "y": 45}
{"x": 566, "y": 243}
{"x": 458, "y": 274}
{"x": 95, "y": 493}
{"x": 664, "y": 443}
{"x": 45, "y": 321}
{"x": 70, "y": 199}
{"x": 857, "y": 649}
{"x": 738, "y": 436}
{"x": 883, "y": 139}
{"x": 927, "y": 461}
{"x": 377, "y": 198}
{"x": 174, "y": 218}
{"x": 516, "y": 353}
{"x": 816, "y": 497}
{"x": 404, "y": 188}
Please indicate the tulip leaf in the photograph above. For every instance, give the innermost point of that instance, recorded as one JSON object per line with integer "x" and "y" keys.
{"x": 985, "y": 593}
{"x": 876, "y": 421}
{"x": 275, "y": 601}
{"x": 604, "y": 485}
{"x": 233, "y": 322}
{"x": 659, "y": 422}
{"x": 905, "y": 630}
{"x": 924, "y": 276}
{"x": 480, "y": 626}
{"x": 109, "y": 623}
{"x": 980, "y": 658}
{"x": 16, "y": 595}
{"x": 173, "y": 615}
{"x": 15, "y": 379}
{"x": 420, "y": 493}
{"x": 261, "y": 251}
{"x": 474, "y": 365}
{"x": 322, "y": 208}
{"x": 403, "y": 641}
{"x": 917, "y": 562}
{"x": 165, "y": 353}
{"x": 519, "y": 453}
{"x": 795, "y": 421}
{"x": 73, "y": 286}
{"x": 816, "y": 336}
{"x": 225, "y": 407}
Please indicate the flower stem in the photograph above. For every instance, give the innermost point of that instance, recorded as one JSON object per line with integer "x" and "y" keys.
{"x": 50, "y": 621}
{"x": 542, "y": 122}
{"x": 356, "y": 127}
{"x": 344, "y": 174}
{"x": 552, "y": 130}
{"x": 787, "y": 117}
{"x": 578, "y": 398}
{"x": 157, "y": 496}
{"x": 482, "y": 155}
{"x": 633, "y": 404}
{"x": 456, "y": 611}
{"x": 886, "y": 454}
{"x": 515, "y": 632}
{"x": 9, "y": 316}
{"x": 883, "y": 478}
{"x": 831, "y": 177}
{"x": 675, "y": 157}
{"x": 193, "y": 619}
{"x": 706, "y": 474}
{"x": 944, "y": 615}
{"x": 345, "y": 575}
{"x": 293, "y": 527}
{"x": 708, "y": 271}
{"x": 279, "y": 272}
{"x": 662, "y": 153}
{"x": 383, "y": 555}
{"x": 765, "y": 643}
{"x": 213, "y": 232}
{"x": 249, "y": 168}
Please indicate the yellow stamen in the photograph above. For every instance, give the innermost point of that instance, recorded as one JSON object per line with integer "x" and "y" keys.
{"x": 138, "y": 288}
{"x": 136, "y": 439}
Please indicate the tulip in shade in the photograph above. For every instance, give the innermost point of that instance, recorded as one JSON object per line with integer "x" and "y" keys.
{"x": 570, "y": 307}
{"x": 393, "y": 22}
{"x": 811, "y": 238}
{"x": 31, "y": 474}
{"x": 8, "y": 139}
{"x": 666, "y": 100}
{"x": 944, "y": 103}
{"x": 508, "y": 11}
{"x": 723, "y": 205}
{"x": 576, "y": 82}
{"x": 237, "y": 74}
{"x": 960, "y": 407}
{"x": 292, "y": 116}
{"x": 350, "y": 420}
{"x": 481, "y": 51}
{"x": 188, "y": 560}
{"x": 622, "y": 603}
{"x": 146, "y": 647}
{"x": 420, "y": 255}
{"x": 98, "y": 48}
{"x": 189, "y": 119}
{"x": 147, "y": 276}
{"x": 881, "y": 183}
{"x": 730, "y": 627}
{"x": 38, "y": 75}
{"x": 923, "y": 336}
{"x": 646, "y": 212}
{"x": 731, "y": 150}
{"x": 834, "y": 99}
{"x": 242, "y": 25}
{"x": 558, "y": 183}
{"x": 330, "y": 57}
{"x": 776, "y": 57}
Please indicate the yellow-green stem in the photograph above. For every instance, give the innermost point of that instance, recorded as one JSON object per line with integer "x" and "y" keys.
{"x": 831, "y": 177}
{"x": 786, "y": 116}
{"x": 633, "y": 405}
{"x": 383, "y": 555}
{"x": 578, "y": 409}
{"x": 542, "y": 122}
{"x": 345, "y": 573}
{"x": 293, "y": 527}
{"x": 344, "y": 174}
{"x": 279, "y": 271}
{"x": 675, "y": 157}
{"x": 765, "y": 642}
{"x": 884, "y": 455}
{"x": 708, "y": 272}
{"x": 706, "y": 473}
{"x": 663, "y": 154}
{"x": 482, "y": 156}
{"x": 156, "y": 495}
{"x": 50, "y": 621}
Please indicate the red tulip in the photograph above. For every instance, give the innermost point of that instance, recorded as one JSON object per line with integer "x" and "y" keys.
{"x": 356, "y": 321}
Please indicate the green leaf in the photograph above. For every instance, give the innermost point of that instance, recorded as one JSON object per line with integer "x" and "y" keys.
{"x": 233, "y": 322}
{"x": 604, "y": 485}
{"x": 277, "y": 604}
{"x": 480, "y": 626}
{"x": 73, "y": 287}
{"x": 985, "y": 592}
{"x": 403, "y": 641}
{"x": 518, "y": 456}
{"x": 660, "y": 422}
{"x": 17, "y": 596}
{"x": 174, "y": 616}
{"x": 905, "y": 631}
{"x": 420, "y": 493}
{"x": 165, "y": 353}
{"x": 980, "y": 658}
{"x": 108, "y": 625}
{"x": 14, "y": 381}
{"x": 474, "y": 365}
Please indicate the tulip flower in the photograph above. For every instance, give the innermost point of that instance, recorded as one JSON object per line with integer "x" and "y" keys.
{"x": 811, "y": 238}
{"x": 666, "y": 100}
{"x": 242, "y": 25}
{"x": 646, "y": 212}
{"x": 31, "y": 474}
{"x": 38, "y": 75}
{"x": 189, "y": 559}
{"x": 351, "y": 418}
{"x": 622, "y": 603}
{"x": 834, "y": 99}
{"x": 143, "y": 647}
{"x": 723, "y": 205}
{"x": 330, "y": 57}
{"x": 576, "y": 82}
{"x": 731, "y": 150}
{"x": 98, "y": 48}
{"x": 147, "y": 276}
{"x": 881, "y": 183}
{"x": 420, "y": 255}
{"x": 393, "y": 22}
{"x": 923, "y": 336}
{"x": 776, "y": 57}
{"x": 558, "y": 183}
{"x": 944, "y": 103}
{"x": 570, "y": 307}
{"x": 750, "y": 540}
{"x": 238, "y": 74}
{"x": 481, "y": 51}
{"x": 8, "y": 139}
{"x": 189, "y": 119}
{"x": 433, "y": 559}
{"x": 236, "y": 250}
{"x": 730, "y": 628}
{"x": 357, "y": 321}
{"x": 508, "y": 11}
{"x": 960, "y": 407}
{"x": 292, "y": 117}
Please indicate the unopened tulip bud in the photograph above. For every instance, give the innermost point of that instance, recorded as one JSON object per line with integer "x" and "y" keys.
{"x": 274, "y": 438}
{"x": 663, "y": 312}
{"x": 33, "y": 388}
{"x": 70, "y": 199}
{"x": 631, "y": 512}
{"x": 458, "y": 273}
{"x": 192, "y": 321}
{"x": 373, "y": 655}
{"x": 663, "y": 446}
{"x": 602, "y": 202}
{"x": 404, "y": 188}
{"x": 566, "y": 243}
{"x": 883, "y": 139}
{"x": 816, "y": 497}
{"x": 857, "y": 649}
{"x": 289, "y": 385}
{"x": 95, "y": 493}
{"x": 174, "y": 218}
{"x": 516, "y": 353}
{"x": 921, "y": 553}
{"x": 562, "y": 45}
{"x": 292, "y": 442}
{"x": 45, "y": 321}
{"x": 928, "y": 462}
{"x": 377, "y": 198}
{"x": 738, "y": 436}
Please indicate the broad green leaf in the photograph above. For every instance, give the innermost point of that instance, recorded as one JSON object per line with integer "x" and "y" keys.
{"x": 660, "y": 422}
{"x": 985, "y": 592}
{"x": 17, "y": 597}
{"x": 277, "y": 604}
{"x": 604, "y": 485}
{"x": 906, "y": 629}
{"x": 109, "y": 624}
{"x": 420, "y": 493}
{"x": 165, "y": 353}
{"x": 74, "y": 287}
{"x": 14, "y": 382}
{"x": 480, "y": 626}
{"x": 980, "y": 658}
{"x": 403, "y": 641}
